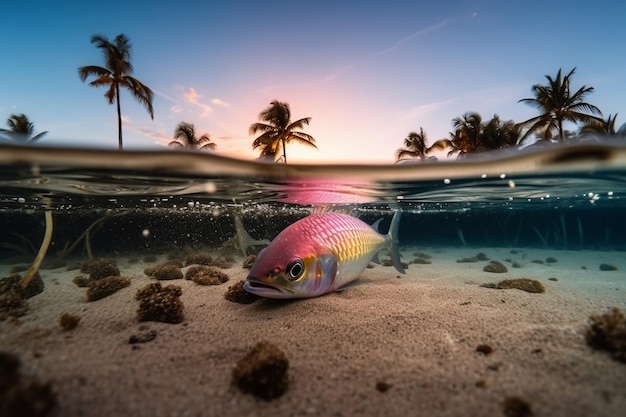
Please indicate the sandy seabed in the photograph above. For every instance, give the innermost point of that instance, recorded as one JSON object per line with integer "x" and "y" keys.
{"x": 415, "y": 334}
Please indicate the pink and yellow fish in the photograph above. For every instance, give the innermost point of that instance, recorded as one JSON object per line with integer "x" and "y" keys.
{"x": 320, "y": 254}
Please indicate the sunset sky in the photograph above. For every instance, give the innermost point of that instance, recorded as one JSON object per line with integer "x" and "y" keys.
{"x": 367, "y": 72}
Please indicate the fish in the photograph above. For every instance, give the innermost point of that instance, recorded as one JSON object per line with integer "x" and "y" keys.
{"x": 319, "y": 254}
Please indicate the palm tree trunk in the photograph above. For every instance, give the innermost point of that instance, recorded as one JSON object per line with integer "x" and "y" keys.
{"x": 119, "y": 116}
{"x": 284, "y": 151}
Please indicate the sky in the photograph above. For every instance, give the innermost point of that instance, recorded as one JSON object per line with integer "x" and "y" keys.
{"x": 366, "y": 72}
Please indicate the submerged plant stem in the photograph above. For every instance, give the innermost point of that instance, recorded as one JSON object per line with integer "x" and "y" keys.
{"x": 459, "y": 232}
{"x": 42, "y": 251}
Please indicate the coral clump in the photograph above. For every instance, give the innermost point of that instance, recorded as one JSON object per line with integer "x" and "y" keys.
{"x": 262, "y": 371}
{"x": 495, "y": 267}
{"x": 524, "y": 284}
{"x": 516, "y": 407}
{"x": 237, "y": 294}
{"x": 20, "y": 396}
{"x": 198, "y": 259}
{"x": 162, "y": 304}
{"x": 100, "y": 268}
{"x": 607, "y": 267}
{"x": 206, "y": 275}
{"x": 13, "y": 296}
{"x": 608, "y": 332}
{"x": 104, "y": 287}
{"x": 249, "y": 261}
{"x": 166, "y": 271}
{"x": 68, "y": 321}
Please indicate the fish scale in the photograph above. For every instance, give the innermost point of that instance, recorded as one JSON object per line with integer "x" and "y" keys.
{"x": 348, "y": 237}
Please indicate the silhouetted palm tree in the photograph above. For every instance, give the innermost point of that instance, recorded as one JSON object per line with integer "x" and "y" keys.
{"x": 606, "y": 127}
{"x": 415, "y": 146}
{"x": 471, "y": 135}
{"x": 279, "y": 130}
{"x": 497, "y": 134}
{"x": 117, "y": 73}
{"x": 185, "y": 137}
{"x": 21, "y": 129}
{"x": 557, "y": 105}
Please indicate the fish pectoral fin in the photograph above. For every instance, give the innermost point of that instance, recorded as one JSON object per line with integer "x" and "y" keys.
{"x": 328, "y": 265}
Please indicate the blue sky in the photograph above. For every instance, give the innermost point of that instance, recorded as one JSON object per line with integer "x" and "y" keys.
{"x": 367, "y": 72}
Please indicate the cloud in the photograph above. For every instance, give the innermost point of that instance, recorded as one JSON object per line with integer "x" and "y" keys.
{"x": 414, "y": 35}
{"x": 193, "y": 97}
{"x": 218, "y": 102}
{"x": 177, "y": 108}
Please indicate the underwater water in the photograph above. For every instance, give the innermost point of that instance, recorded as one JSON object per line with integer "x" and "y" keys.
{"x": 566, "y": 203}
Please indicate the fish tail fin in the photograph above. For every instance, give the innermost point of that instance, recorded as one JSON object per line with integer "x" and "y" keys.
{"x": 394, "y": 242}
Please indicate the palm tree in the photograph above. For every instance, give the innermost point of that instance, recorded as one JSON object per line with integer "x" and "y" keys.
{"x": 117, "y": 73}
{"x": 557, "y": 105}
{"x": 497, "y": 134}
{"x": 185, "y": 137}
{"x": 471, "y": 135}
{"x": 279, "y": 130}
{"x": 606, "y": 127}
{"x": 21, "y": 129}
{"x": 415, "y": 146}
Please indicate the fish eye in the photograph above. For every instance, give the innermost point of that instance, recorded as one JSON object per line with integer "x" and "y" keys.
{"x": 295, "y": 269}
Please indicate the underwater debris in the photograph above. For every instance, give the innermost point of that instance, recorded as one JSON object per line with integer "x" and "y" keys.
{"x": 516, "y": 407}
{"x": 101, "y": 288}
{"x": 81, "y": 281}
{"x": 100, "y": 268}
{"x": 383, "y": 386}
{"x": 389, "y": 262}
{"x": 495, "y": 267}
{"x": 516, "y": 264}
{"x": 537, "y": 261}
{"x": 524, "y": 284}
{"x": 553, "y": 279}
{"x": 262, "y": 371}
{"x": 421, "y": 261}
{"x": 144, "y": 337}
{"x": 165, "y": 272}
{"x": 69, "y": 321}
{"x": 421, "y": 255}
{"x": 551, "y": 260}
{"x": 248, "y": 262}
{"x": 23, "y": 396}
{"x": 607, "y": 267}
{"x": 485, "y": 349}
{"x": 467, "y": 260}
{"x": 608, "y": 332}
{"x": 237, "y": 294}
{"x": 205, "y": 275}
{"x": 162, "y": 304}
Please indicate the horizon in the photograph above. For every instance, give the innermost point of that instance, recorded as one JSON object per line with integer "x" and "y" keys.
{"x": 366, "y": 76}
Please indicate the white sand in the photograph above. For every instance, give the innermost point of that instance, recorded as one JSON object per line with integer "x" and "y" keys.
{"x": 418, "y": 333}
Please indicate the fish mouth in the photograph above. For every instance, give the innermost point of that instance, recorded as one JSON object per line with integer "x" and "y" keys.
{"x": 263, "y": 289}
